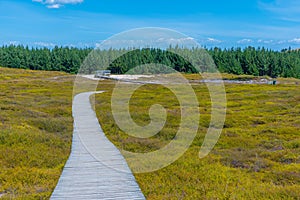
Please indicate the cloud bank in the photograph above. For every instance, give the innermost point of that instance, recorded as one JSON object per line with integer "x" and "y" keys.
{"x": 55, "y": 4}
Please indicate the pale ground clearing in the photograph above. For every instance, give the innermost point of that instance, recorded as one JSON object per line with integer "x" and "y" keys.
{"x": 120, "y": 77}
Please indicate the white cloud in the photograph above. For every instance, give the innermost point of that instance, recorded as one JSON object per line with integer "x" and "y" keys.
{"x": 54, "y": 6}
{"x": 44, "y": 44}
{"x": 179, "y": 40}
{"x": 269, "y": 42}
{"x": 295, "y": 41}
{"x": 57, "y": 3}
{"x": 13, "y": 43}
{"x": 213, "y": 40}
{"x": 63, "y": 1}
{"x": 244, "y": 41}
{"x": 281, "y": 42}
{"x": 162, "y": 42}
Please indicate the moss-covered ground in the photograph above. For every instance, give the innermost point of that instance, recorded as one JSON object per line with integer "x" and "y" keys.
{"x": 35, "y": 131}
{"x": 256, "y": 157}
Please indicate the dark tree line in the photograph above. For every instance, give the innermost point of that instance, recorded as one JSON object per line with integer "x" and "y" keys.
{"x": 258, "y": 61}
{"x": 57, "y": 59}
{"x": 145, "y": 57}
{"x": 250, "y": 60}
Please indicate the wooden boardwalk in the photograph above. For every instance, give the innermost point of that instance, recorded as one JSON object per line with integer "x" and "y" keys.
{"x": 95, "y": 169}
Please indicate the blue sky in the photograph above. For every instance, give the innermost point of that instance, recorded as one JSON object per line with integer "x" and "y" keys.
{"x": 270, "y": 23}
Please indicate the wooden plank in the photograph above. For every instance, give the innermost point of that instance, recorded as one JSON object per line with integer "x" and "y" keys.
{"x": 95, "y": 169}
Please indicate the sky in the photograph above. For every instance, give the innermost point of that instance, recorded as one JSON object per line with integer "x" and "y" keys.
{"x": 84, "y": 23}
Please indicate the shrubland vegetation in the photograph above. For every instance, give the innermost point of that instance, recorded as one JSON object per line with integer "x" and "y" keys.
{"x": 248, "y": 61}
{"x": 35, "y": 131}
{"x": 256, "y": 157}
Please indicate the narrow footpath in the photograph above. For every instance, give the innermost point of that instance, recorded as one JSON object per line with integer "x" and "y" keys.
{"x": 95, "y": 169}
